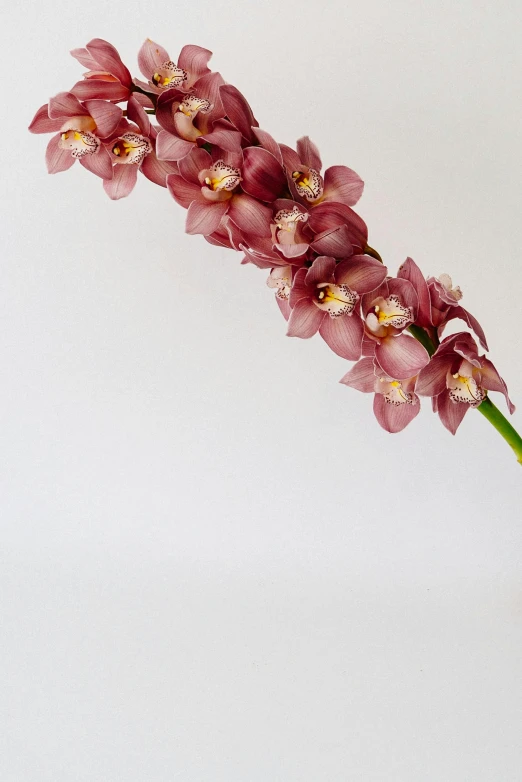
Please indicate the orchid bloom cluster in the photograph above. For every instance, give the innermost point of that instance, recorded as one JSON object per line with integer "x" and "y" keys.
{"x": 274, "y": 204}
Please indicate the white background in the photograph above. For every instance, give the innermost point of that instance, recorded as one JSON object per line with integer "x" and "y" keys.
{"x": 215, "y": 566}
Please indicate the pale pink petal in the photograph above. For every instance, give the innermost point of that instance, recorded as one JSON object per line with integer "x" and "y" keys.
{"x": 292, "y": 250}
{"x": 361, "y": 273}
{"x": 108, "y": 59}
{"x": 106, "y": 116}
{"x": 268, "y": 143}
{"x": 169, "y": 147}
{"x": 251, "y": 216}
{"x": 361, "y": 376}
{"x": 342, "y": 185}
{"x": 491, "y": 380}
{"x": 194, "y": 59}
{"x": 401, "y": 357}
{"x": 42, "y": 124}
{"x": 122, "y": 182}
{"x": 238, "y": 111}
{"x": 183, "y": 192}
{"x": 56, "y": 158}
{"x": 204, "y": 218}
{"x": 263, "y": 175}
{"x": 305, "y": 320}
{"x": 394, "y": 418}
{"x": 411, "y": 272}
{"x": 322, "y": 270}
{"x": 65, "y": 104}
{"x": 333, "y": 241}
{"x": 151, "y": 56}
{"x": 451, "y": 413}
{"x": 309, "y": 153}
{"x": 90, "y": 89}
{"x": 99, "y": 163}
{"x": 343, "y": 335}
{"x": 85, "y": 59}
{"x": 156, "y": 170}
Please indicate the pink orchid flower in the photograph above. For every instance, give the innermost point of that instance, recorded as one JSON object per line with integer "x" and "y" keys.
{"x": 81, "y": 128}
{"x": 193, "y": 119}
{"x": 387, "y": 312}
{"x": 303, "y": 168}
{"x": 164, "y": 74}
{"x": 210, "y": 190}
{"x": 457, "y": 379}
{"x": 395, "y": 403}
{"x": 323, "y": 299}
{"x": 107, "y": 78}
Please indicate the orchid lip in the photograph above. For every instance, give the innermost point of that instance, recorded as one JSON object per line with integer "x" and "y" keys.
{"x": 79, "y": 142}
{"x": 280, "y": 278}
{"x": 169, "y": 75}
{"x": 309, "y": 184}
{"x": 222, "y": 177}
{"x": 390, "y": 312}
{"x": 131, "y": 148}
{"x": 464, "y": 388}
{"x": 394, "y": 393}
{"x": 336, "y": 300}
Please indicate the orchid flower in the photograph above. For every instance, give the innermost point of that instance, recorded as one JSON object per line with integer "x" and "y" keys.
{"x": 245, "y": 191}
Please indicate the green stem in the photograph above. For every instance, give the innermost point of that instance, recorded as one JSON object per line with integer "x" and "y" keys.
{"x": 502, "y": 425}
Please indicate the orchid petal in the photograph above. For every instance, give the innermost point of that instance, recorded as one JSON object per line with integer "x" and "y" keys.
{"x": 451, "y": 413}
{"x": 205, "y": 218}
{"x": 251, "y": 216}
{"x": 227, "y": 140}
{"x": 238, "y": 111}
{"x": 343, "y": 335}
{"x": 432, "y": 378}
{"x": 305, "y": 320}
{"x": 106, "y": 116}
{"x": 328, "y": 214}
{"x": 56, "y": 158}
{"x": 108, "y": 59}
{"x": 169, "y": 147}
{"x": 342, "y": 185}
{"x": 333, "y": 241}
{"x": 194, "y": 59}
{"x": 191, "y": 165}
{"x": 183, "y": 192}
{"x": 462, "y": 314}
{"x": 491, "y": 380}
{"x": 361, "y": 376}
{"x": 90, "y": 89}
{"x": 84, "y": 58}
{"x": 361, "y": 273}
{"x": 122, "y": 183}
{"x": 322, "y": 270}
{"x": 156, "y": 170}
{"x": 263, "y": 176}
{"x": 136, "y": 113}
{"x": 411, "y": 272}
{"x": 309, "y": 153}
{"x": 99, "y": 163}
{"x": 268, "y": 143}
{"x": 401, "y": 357}
{"x": 394, "y": 418}
{"x": 151, "y": 56}
{"x": 42, "y": 124}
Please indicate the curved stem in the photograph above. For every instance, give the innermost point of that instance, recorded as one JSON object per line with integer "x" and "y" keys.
{"x": 502, "y": 425}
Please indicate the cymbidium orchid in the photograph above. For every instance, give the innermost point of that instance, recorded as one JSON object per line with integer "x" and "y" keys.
{"x": 246, "y": 191}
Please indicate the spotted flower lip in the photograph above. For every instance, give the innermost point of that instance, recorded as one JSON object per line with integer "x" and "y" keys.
{"x": 324, "y": 298}
{"x": 458, "y": 379}
{"x": 80, "y": 127}
{"x": 395, "y": 402}
{"x": 162, "y": 73}
{"x": 303, "y": 169}
{"x": 107, "y": 77}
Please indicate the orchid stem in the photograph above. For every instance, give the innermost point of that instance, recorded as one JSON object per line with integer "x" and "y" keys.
{"x": 502, "y": 425}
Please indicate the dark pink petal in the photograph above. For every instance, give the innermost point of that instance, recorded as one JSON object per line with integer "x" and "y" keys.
{"x": 57, "y": 159}
{"x": 42, "y": 124}
{"x": 491, "y": 380}
{"x": 108, "y": 59}
{"x": 238, "y": 111}
{"x": 333, "y": 241}
{"x": 343, "y": 335}
{"x": 259, "y": 259}
{"x": 191, "y": 166}
{"x": 304, "y": 320}
{"x": 136, "y": 113}
{"x": 329, "y": 214}
{"x": 263, "y": 175}
{"x": 251, "y": 216}
{"x": 432, "y": 378}
{"x": 122, "y": 182}
{"x": 183, "y": 192}
{"x": 268, "y": 143}
{"x": 235, "y": 237}
{"x": 322, "y": 270}
{"x": 411, "y": 272}
{"x": 361, "y": 273}
{"x": 90, "y": 89}
{"x": 194, "y": 59}
{"x": 466, "y": 347}
{"x": 209, "y": 86}
{"x": 229, "y": 140}
{"x": 309, "y": 153}
{"x": 156, "y": 170}
{"x": 85, "y": 59}
{"x": 462, "y": 314}
{"x": 65, "y": 104}
{"x": 167, "y": 101}
{"x": 204, "y": 218}
{"x": 169, "y": 147}
{"x": 401, "y": 357}
{"x": 394, "y": 418}
{"x": 451, "y": 413}
{"x": 299, "y": 289}
{"x": 106, "y": 116}
{"x": 99, "y": 163}
{"x": 361, "y": 376}
{"x": 291, "y": 159}
{"x": 342, "y": 185}
{"x": 151, "y": 56}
